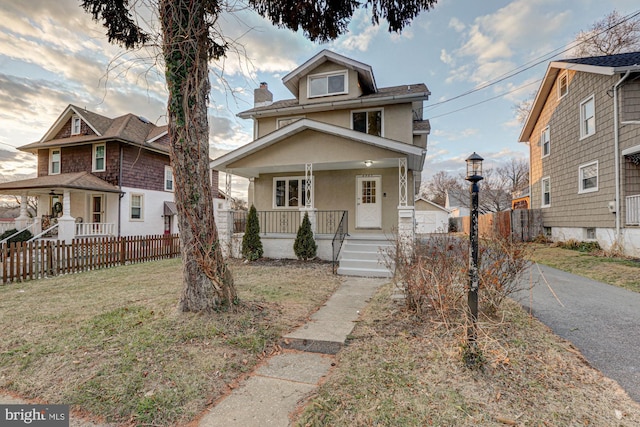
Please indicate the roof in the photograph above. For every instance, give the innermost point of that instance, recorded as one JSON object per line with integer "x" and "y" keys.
{"x": 608, "y": 65}
{"x": 392, "y": 94}
{"x": 76, "y": 180}
{"x": 430, "y": 203}
{"x": 365, "y": 73}
{"x": 414, "y": 154}
{"x": 128, "y": 128}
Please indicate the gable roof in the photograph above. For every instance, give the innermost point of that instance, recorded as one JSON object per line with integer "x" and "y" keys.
{"x": 76, "y": 180}
{"x": 605, "y": 65}
{"x": 415, "y": 154}
{"x": 429, "y": 202}
{"x": 365, "y": 72}
{"x": 387, "y": 95}
{"x": 128, "y": 128}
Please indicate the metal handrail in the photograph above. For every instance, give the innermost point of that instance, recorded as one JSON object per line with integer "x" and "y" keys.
{"x": 17, "y": 233}
{"x": 338, "y": 239}
{"x": 44, "y": 232}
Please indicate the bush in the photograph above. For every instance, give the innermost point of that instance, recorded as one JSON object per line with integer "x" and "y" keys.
{"x": 305, "y": 246}
{"x": 251, "y": 243}
{"x": 579, "y": 246}
{"x": 22, "y": 237}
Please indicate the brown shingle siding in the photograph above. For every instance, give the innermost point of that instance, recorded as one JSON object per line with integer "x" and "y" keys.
{"x": 143, "y": 169}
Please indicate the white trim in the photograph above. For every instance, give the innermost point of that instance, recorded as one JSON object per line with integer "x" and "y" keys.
{"x": 131, "y": 196}
{"x": 631, "y": 150}
{"x": 289, "y": 120}
{"x": 94, "y": 158}
{"x": 325, "y": 77}
{"x": 62, "y": 119}
{"x": 168, "y": 173}
{"x": 368, "y": 110}
{"x": 51, "y": 150}
{"x": 547, "y": 131}
{"x": 76, "y": 125}
{"x": 542, "y": 181}
{"x": 563, "y": 76}
{"x": 581, "y": 189}
{"x": 583, "y": 117}
{"x": 301, "y": 182}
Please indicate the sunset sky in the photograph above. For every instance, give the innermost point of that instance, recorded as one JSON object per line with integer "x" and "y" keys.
{"x": 52, "y": 54}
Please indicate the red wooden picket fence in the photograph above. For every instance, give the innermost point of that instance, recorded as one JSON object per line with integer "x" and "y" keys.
{"x": 21, "y": 261}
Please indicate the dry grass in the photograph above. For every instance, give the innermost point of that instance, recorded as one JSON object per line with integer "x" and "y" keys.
{"x": 399, "y": 370}
{"x": 613, "y": 270}
{"x": 111, "y": 342}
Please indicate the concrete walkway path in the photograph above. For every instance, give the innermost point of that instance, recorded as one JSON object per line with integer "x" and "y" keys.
{"x": 601, "y": 320}
{"x": 277, "y": 388}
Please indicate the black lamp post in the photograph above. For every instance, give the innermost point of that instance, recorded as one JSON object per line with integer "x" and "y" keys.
{"x": 474, "y": 175}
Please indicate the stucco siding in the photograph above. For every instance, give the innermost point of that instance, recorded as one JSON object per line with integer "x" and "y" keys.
{"x": 327, "y": 67}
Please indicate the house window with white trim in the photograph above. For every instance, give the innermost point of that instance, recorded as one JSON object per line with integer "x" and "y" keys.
{"x": 563, "y": 85}
{"x": 136, "y": 207}
{"x": 546, "y": 192}
{"x": 289, "y": 192}
{"x": 99, "y": 158}
{"x": 54, "y": 161}
{"x": 369, "y": 121}
{"x": 588, "y": 175}
{"x": 545, "y": 141}
{"x": 168, "y": 178}
{"x": 76, "y": 125}
{"x": 587, "y": 117}
{"x": 327, "y": 84}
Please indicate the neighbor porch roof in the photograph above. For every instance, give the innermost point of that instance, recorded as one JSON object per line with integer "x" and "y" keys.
{"x": 42, "y": 184}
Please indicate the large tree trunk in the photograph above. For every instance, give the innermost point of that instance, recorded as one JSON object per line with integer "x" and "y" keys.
{"x": 207, "y": 282}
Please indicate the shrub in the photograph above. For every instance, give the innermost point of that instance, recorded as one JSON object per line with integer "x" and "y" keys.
{"x": 305, "y": 246}
{"x": 22, "y": 237}
{"x": 251, "y": 243}
{"x": 577, "y": 245}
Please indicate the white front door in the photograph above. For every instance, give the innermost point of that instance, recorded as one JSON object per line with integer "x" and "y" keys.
{"x": 368, "y": 202}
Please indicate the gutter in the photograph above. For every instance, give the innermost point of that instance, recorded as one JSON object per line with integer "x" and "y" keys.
{"x": 616, "y": 145}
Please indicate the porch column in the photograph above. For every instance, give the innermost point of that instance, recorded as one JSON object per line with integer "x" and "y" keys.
{"x": 308, "y": 196}
{"x": 406, "y": 222}
{"x": 227, "y": 189}
{"x": 23, "y": 219}
{"x": 251, "y": 192}
{"x": 66, "y": 223}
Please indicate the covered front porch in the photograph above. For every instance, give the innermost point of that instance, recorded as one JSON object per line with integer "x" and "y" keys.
{"x": 69, "y": 206}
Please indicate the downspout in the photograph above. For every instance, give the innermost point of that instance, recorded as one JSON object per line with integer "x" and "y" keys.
{"x": 616, "y": 144}
{"x": 120, "y": 186}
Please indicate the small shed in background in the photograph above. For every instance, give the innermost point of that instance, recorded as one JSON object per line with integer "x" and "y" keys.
{"x": 430, "y": 217}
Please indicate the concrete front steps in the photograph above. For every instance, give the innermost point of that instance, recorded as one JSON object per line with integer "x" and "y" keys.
{"x": 365, "y": 256}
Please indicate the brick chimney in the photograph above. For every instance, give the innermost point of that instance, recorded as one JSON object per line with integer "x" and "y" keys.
{"x": 261, "y": 96}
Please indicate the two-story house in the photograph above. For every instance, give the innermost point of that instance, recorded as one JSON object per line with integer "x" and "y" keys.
{"x": 98, "y": 176}
{"x": 583, "y": 133}
{"x": 344, "y": 150}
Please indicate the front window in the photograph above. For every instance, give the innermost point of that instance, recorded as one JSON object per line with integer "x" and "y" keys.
{"x": 76, "y": 125}
{"x": 289, "y": 192}
{"x": 136, "y": 207}
{"x": 99, "y": 155}
{"x": 587, "y": 117}
{"x": 367, "y": 121}
{"x": 588, "y": 177}
{"x": 327, "y": 84}
{"x": 546, "y": 192}
{"x": 545, "y": 141}
{"x": 54, "y": 165}
{"x": 168, "y": 178}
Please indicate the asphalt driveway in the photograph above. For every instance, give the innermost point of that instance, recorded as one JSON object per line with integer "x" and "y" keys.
{"x": 601, "y": 320}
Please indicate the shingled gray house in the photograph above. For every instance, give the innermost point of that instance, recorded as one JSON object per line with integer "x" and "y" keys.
{"x": 583, "y": 133}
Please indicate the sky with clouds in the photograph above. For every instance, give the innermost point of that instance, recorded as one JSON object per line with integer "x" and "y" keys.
{"x": 52, "y": 54}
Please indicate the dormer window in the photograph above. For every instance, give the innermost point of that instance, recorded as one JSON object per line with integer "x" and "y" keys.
{"x": 327, "y": 84}
{"x": 75, "y": 125}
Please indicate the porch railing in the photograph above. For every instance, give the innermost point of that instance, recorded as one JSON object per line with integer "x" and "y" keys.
{"x": 338, "y": 239}
{"x": 288, "y": 222}
{"x": 93, "y": 229}
{"x": 7, "y": 225}
{"x": 30, "y": 228}
{"x": 633, "y": 210}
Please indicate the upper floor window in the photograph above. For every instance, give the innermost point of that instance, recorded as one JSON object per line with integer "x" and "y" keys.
{"x": 136, "y": 207}
{"x": 588, "y": 175}
{"x": 99, "y": 158}
{"x": 327, "y": 84}
{"x": 546, "y": 192}
{"x": 545, "y": 141}
{"x": 367, "y": 121}
{"x": 587, "y": 117}
{"x": 76, "y": 125}
{"x": 168, "y": 178}
{"x": 563, "y": 85}
{"x": 289, "y": 192}
{"x": 54, "y": 161}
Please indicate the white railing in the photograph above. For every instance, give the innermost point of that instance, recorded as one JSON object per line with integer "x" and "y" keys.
{"x": 633, "y": 210}
{"x": 32, "y": 228}
{"x": 92, "y": 229}
{"x": 7, "y": 225}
